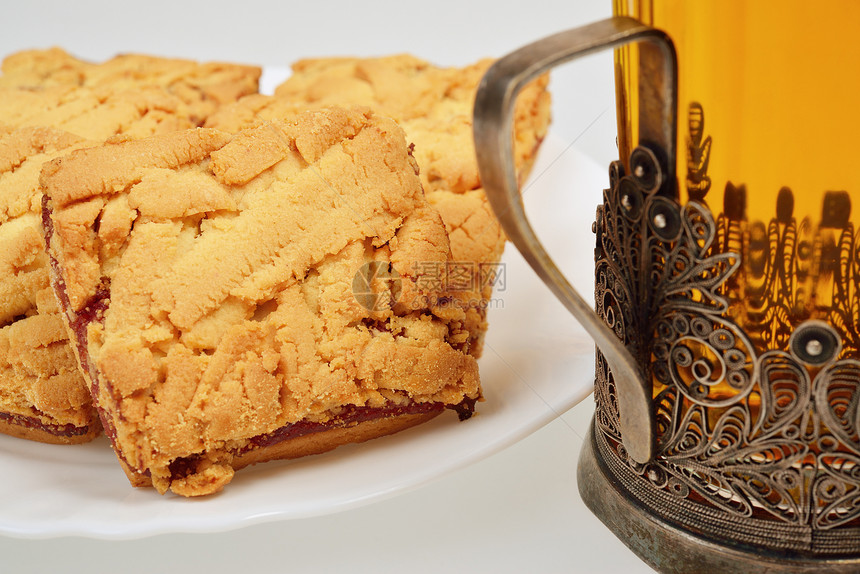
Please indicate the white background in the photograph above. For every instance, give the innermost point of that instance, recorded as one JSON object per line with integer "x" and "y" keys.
{"x": 517, "y": 511}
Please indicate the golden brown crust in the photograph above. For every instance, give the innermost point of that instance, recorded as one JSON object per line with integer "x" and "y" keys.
{"x": 124, "y": 162}
{"x": 40, "y": 383}
{"x": 46, "y": 111}
{"x": 432, "y": 104}
{"x": 434, "y": 107}
{"x": 95, "y": 113}
{"x": 30, "y": 68}
{"x": 42, "y": 395}
{"x": 238, "y": 306}
{"x": 202, "y": 87}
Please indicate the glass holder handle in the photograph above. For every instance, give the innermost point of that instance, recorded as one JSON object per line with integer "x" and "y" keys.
{"x": 493, "y": 128}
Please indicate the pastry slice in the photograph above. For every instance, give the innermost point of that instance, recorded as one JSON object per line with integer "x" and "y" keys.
{"x": 42, "y": 394}
{"x": 433, "y": 105}
{"x": 237, "y": 298}
{"x": 203, "y": 87}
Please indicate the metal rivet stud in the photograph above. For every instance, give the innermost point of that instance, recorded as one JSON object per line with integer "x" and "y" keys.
{"x": 814, "y": 347}
{"x": 625, "y": 203}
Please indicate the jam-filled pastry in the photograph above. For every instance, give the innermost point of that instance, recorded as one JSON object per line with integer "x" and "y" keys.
{"x": 237, "y": 298}
{"x": 42, "y": 394}
{"x": 203, "y": 87}
{"x": 434, "y": 107}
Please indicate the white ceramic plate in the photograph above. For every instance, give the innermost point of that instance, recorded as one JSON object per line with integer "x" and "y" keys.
{"x": 537, "y": 363}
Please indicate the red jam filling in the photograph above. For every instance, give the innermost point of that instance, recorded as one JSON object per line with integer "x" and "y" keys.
{"x": 68, "y": 430}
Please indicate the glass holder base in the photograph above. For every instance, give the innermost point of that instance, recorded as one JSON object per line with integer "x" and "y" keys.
{"x": 670, "y": 550}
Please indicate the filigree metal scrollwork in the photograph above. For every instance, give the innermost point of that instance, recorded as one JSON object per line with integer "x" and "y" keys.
{"x": 758, "y": 414}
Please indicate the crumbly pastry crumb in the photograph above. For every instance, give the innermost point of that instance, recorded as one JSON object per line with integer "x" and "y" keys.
{"x": 242, "y": 297}
{"x": 50, "y": 104}
{"x": 43, "y": 397}
{"x": 434, "y": 107}
{"x": 202, "y": 87}
{"x": 95, "y": 113}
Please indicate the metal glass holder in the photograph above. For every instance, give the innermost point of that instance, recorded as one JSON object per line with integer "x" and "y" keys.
{"x": 706, "y": 453}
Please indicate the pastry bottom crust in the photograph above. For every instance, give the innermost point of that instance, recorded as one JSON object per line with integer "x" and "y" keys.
{"x": 26, "y": 429}
{"x": 316, "y": 442}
